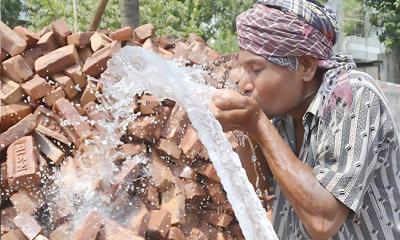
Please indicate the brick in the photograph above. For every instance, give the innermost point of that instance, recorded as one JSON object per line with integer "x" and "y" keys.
{"x": 235, "y": 229}
{"x": 89, "y": 94}
{"x": 10, "y": 91}
{"x": 122, "y": 34}
{"x": 23, "y": 203}
{"x": 7, "y": 219}
{"x": 187, "y": 172}
{"x": 145, "y": 127}
{"x": 190, "y": 143}
{"x": 175, "y": 234}
{"x": 144, "y": 32}
{"x": 31, "y": 38}
{"x": 196, "y": 234}
{"x": 193, "y": 191}
{"x": 48, "y": 148}
{"x": 139, "y": 221}
{"x": 5, "y": 189}
{"x": 167, "y": 42}
{"x": 22, "y": 128}
{"x": 65, "y": 108}
{"x": 173, "y": 201}
{"x": 148, "y": 104}
{"x": 15, "y": 234}
{"x": 219, "y": 219}
{"x": 55, "y": 61}
{"x": 132, "y": 149}
{"x": 55, "y": 94}
{"x": 98, "y": 41}
{"x": 169, "y": 148}
{"x": 61, "y": 31}
{"x": 3, "y": 55}
{"x": 129, "y": 171}
{"x": 61, "y": 233}
{"x": 161, "y": 174}
{"x": 41, "y": 237}
{"x": 67, "y": 85}
{"x": 192, "y": 37}
{"x": 47, "y": 42}
{"x": 80, "y": 39}
{"x": 11, "y": 41}
{"x": 75, "y": 73}
{"x": 159, "y": 224}
{"x": 13, "y": 113}
{"x": 36, "y": 88}
{"x": 176, "y": 125}
{"x": 216, "y": 192}
{"x": 52, "y": 134}
{"x": 209, "y": 171}
{"x": 23, "y": 164}
{"x": 28, "y": 225}
{"x": 30, "y": 55}
{"x": 181, "y": 50}
{"x": 89, "y": 227}
{"x": 17, "y": 69}
{"x": 153, "y": 197}
{"x": 112, "y": 230}
{"x": 84, "y": 53}
{"x": 151, "y": 45}
{"x": 97, "y": 63}
{"x": 44, "y": 30}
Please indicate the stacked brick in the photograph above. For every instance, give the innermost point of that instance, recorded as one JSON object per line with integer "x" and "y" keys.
{"x": 44, "y": 81}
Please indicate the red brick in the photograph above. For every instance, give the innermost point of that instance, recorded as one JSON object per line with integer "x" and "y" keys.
{"x": 190, "y": 143}
{"x": 219, "y": 219}
{"x": 15, "y": 234}
{"x": 84, "y": 53}
{"x": 17, "y": 69}
{"x": 217, "y": 193}
{"x": 173, "y": 201}
{"x": 28, "y": 225}
{"x": 41, "y": 237}
{"x": 112, "y": 230}
{"x": 47, "y": 43}
{"x": 196, "y": 234}
{"x": 97, "y": 63}
{"x": 145, "y": 127}
{"x": 79, "y": 39}
{"x": 144, "y": 32}
{"x": 61, "y": 31}
{"x": 89, "y": 94}
{"x": 66, "y": 84}
{"x": 61, "y": 233}
{"x": 11, "y": 41}
{"x": 3, "y": 55}
{"x": 10, "y": 91}
{"x": 55, "y": 61}
{"x": 148, "y": 104}
{"x": 169, "y": 148}
{"x": 55, "y": 94}
{"x": 23, "y": 164}
{"x": 36, "y": 88}
{"x": 89, "y": 227}
{"x": 122, "y": 34}
{"x": 75, "y": 72}
{"x": 7, "y": 219}
{"x": 52, "y": 134}
{"x": 129, "y": 171}
{"x": 132, "y": 149}
{"x": 159, "y": 224}
{"x": 176, "y": 125}
{"x": 176, "y": 234}
{"x": 30, "y": 55}
{"x": 139, "y": 221}
{"x": 65, "y": 108}
{"x": 167, "y": 42}
{"x": 5, "y": 188}
{"x": 187, "y": 172}
{"x": 98, "y": 41}
{"x": 153, "y": 197}
{"x": 22, "y": 128}
{"x": 193, "y": 191}
{"x": 23, "y": 203}
{"x": 209, "y": 171}
{"x": 48, "y": 148}
{"x": 31, "y": 38}
{"x": 161, "y": 174}
{"x": 11, "y": 114}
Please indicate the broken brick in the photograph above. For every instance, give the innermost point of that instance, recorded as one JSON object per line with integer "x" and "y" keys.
{"x": 148, "y": 104}
{"x": 96, "y": 64}
{"x": 161, "y": 174}
{"x": 80, "y": 39}
{"x": 23, "y": 203}
{"x": 30, "y": 55}
{"x": 219, "y": 219}
{"x": 36, "y": 88}
{"x": 66, "y": 84}
{"x": 209, "y": 171}
{"x": 84, "y": 53}
{"x": 176, "y": 125}
{"x": 173, "y": 201}
{"x": 75, "y": 73}
{"x": 132, "y": 149}
{"x": 47, "y": 42}
{"x": 48, "y": 148}
{"x": 159, "y": 224}
{"x": 196, "y": 234}
{"x": 145, "y": 127}
{"x": 89, "y": 94}
{"x": 89, "y": 227}
{"x": 52, "y": 134}
{"x": 144, "y": 32}
{"x": 28, "y": 225}
{"x": 31, "y": 38}
{"x": 139, "y": 221}
{"x": 10, "y": 91}
{"x": 122, "y": 34}
{"x": 14, "y": 234}
{"x": 169, "y": 148}
{"x": 111, "y": 230}
{"x": 22, "y": 128}
{"x": 13, "y": 113}
{"x": 98, "y": 41}
{"x": 54, "y": 95}
{"x": 190, "y": 143}
{"x": 61, "y": 31}
{"x": 175, "y": 234}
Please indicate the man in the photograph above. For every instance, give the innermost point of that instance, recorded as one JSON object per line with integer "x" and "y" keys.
{"x": 331, "y": 146}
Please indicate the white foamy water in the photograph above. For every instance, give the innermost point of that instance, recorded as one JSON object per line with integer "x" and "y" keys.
{"x": 133, "y": 70}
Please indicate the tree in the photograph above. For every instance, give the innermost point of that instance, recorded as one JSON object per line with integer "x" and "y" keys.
{"x": 10, "y": 12}
{"x": 385, "y": 15}
{"x": 129, "y": 13}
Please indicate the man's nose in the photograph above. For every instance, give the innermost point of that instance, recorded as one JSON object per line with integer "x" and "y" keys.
{"x": 246, "y": 85}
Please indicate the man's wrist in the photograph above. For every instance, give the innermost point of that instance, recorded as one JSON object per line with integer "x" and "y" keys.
{"x": 259, "y": 127}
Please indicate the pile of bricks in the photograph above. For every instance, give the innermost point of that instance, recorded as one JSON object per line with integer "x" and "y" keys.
{"x": 44, "y": 81}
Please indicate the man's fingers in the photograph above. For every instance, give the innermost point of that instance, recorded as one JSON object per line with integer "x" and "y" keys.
{"x": 229, "y": 103}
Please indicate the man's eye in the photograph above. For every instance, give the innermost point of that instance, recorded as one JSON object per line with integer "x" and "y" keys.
{"x": 257, "y": 71}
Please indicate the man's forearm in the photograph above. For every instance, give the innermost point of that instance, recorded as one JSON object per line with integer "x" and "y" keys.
{"x": 315, "y": 206}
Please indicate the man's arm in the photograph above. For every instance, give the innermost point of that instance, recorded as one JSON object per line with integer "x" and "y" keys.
{"x": 319, "y": 211}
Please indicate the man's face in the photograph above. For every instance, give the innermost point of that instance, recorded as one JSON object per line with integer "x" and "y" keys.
{"x": 277, "y": 89}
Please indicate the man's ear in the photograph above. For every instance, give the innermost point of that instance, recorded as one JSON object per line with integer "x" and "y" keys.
{"x": 310, "y": 65}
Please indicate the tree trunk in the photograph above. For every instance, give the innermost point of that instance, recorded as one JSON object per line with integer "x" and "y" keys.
{"x": 129, "y": 13}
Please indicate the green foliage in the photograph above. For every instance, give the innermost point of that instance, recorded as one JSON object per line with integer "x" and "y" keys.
{"x": 353, "y": 23}
{"x": 385, "y": 15}
{"x": 10, "y": 11}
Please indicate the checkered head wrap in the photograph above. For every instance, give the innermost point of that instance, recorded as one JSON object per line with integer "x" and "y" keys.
{"x": 283, "y": 30}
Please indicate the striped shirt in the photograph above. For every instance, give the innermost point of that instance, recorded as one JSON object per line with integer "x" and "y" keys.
{"x": 351, "y": 143}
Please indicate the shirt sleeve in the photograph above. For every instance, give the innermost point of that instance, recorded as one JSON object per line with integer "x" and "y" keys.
{"x": 352, "y": 146}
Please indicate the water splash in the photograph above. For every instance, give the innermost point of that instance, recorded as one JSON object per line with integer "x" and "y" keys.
{"x": 133, "y": 70}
